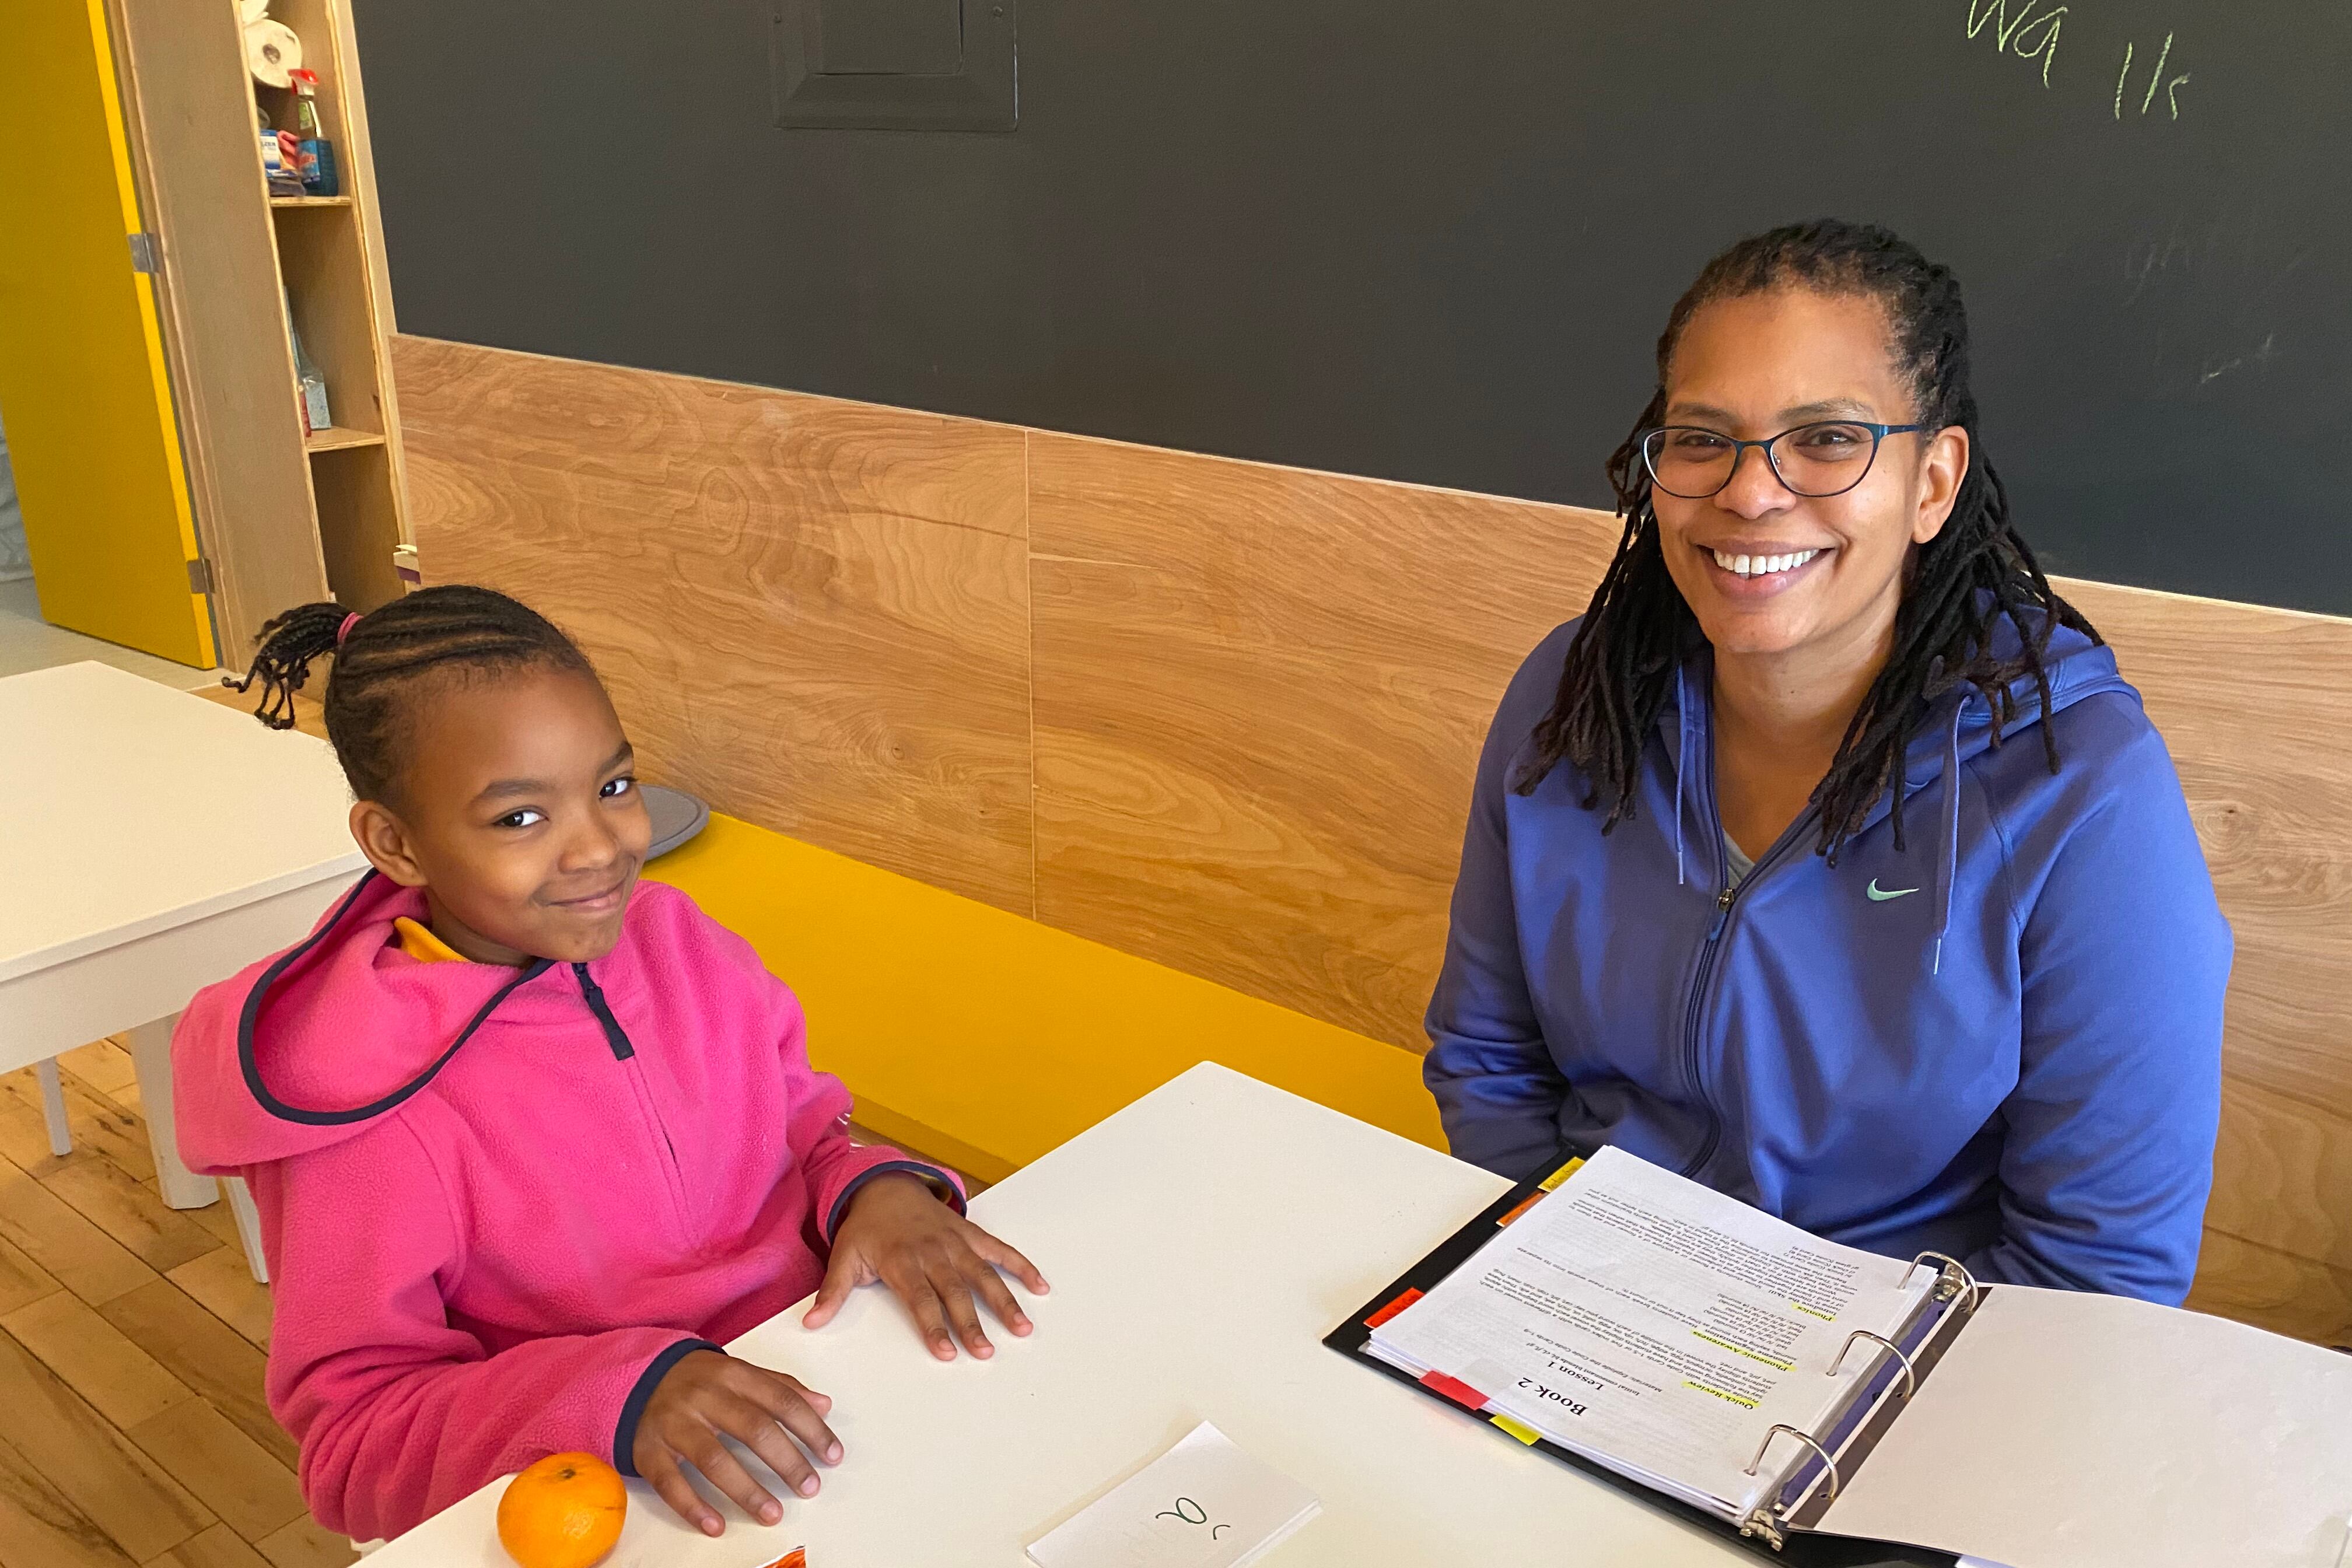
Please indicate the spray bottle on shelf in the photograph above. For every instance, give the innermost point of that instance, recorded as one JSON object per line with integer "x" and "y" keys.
{"x": 315, "y": 155}
{"x": 312, "y": 384}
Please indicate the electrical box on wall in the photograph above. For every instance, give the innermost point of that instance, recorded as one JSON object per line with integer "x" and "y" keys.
{"x": 896, "y": 65}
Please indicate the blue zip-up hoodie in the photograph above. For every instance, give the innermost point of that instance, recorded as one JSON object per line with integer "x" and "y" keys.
{"x": 2001, "y": 1043}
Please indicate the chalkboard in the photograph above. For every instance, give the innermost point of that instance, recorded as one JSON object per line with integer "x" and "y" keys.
{"x": 1435, "y": 240}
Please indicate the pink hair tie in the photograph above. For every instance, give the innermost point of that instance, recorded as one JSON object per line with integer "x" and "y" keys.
{"x": 345, "y": 629}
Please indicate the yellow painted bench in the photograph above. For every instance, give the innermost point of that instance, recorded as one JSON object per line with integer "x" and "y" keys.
{"x": 985, "y": 1039}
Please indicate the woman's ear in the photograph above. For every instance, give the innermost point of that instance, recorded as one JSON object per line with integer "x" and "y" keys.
{"x": 384, "y": 839}
{"x": 1943, "y": 464}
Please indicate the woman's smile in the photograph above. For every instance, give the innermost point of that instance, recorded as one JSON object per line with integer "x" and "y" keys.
{"x": 1747, "y": 574}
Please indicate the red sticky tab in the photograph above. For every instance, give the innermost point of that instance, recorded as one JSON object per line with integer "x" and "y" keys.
{"x": 1392, "y": 1309}
{"x": 1461, "y": 1393}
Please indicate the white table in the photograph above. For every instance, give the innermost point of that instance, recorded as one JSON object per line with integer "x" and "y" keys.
{"x": 1200, "y": 1244}
{"x": 150, "y": 844}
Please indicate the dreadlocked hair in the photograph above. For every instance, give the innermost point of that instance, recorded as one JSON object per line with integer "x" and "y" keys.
{"x": 1977, "y": 570}
{"x": 448, "y": 630}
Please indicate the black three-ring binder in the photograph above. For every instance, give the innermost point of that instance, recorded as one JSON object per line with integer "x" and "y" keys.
{"x": 1781, "y": 1531}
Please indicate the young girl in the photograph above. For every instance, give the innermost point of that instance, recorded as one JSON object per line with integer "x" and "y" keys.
{"x": 527, "y": 1136}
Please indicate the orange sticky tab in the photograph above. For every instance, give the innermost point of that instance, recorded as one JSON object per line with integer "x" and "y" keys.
{"x": 798, "y": 1558}
{"x": 1522, "y": 1206}
{"x": 1392, "y": 1309}
{"x": 1455, "y": 1389}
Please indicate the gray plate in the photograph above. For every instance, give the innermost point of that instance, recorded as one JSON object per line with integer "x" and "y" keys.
{"x": 678, "y": 817}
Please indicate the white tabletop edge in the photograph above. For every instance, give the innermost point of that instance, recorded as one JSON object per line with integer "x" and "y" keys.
{"x": 114, "y": 692}
{"x": 83, "y": 945}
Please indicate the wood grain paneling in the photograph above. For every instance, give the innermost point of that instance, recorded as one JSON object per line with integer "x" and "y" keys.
{"x": 1260, "y": 695}
{"x": 814, "y": 614}
{"x": 2273, "y": 1289}
{"x": 2256, "y": 705}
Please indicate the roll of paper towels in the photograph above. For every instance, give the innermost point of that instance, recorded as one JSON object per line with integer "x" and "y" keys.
{"x": 252, "y": 11}
{"x": 271, "y": 50}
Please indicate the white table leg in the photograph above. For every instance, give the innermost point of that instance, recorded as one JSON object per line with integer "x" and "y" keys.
{"x": 249, "y": 1226}
{"x": 53, "y": 1107}
{"x": 151, "y": 1053}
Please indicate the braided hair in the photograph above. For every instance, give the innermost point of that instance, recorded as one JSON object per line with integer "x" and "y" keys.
{"x": 1621, "y": 664}
{"x": 380, "y": 658}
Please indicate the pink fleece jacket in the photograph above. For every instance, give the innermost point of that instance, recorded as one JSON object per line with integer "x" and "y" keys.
{"x": 499, "y": 1205}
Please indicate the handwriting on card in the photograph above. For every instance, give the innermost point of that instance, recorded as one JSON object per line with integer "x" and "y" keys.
{"x": 1203, "y": 1503}
{"x": 1187, "y": 1511}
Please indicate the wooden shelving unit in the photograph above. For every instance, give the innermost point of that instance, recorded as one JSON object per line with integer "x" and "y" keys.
{"x": 283, "y": 516}
{"x": 337, "y": 439}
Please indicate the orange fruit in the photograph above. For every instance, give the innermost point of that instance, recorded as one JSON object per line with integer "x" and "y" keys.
{"x": 564, "y": 1511}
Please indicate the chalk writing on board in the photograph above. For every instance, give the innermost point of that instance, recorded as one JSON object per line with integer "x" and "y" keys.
{"x": 2154, "y": 77}
{"x": 2031, "y": 32}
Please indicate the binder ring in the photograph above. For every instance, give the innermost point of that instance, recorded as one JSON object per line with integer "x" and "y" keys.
{"x": 1948, "y": 1288}
{"x": 1809, "y": 1440}
{"x": 1910, "y": 1374}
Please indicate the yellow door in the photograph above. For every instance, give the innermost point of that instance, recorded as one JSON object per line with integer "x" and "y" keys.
{"x": 84, "y": 394}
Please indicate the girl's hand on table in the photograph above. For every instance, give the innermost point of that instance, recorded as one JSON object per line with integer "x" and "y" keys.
{"x": 707, "y": 1394}
{"x": 899, "y": 1231}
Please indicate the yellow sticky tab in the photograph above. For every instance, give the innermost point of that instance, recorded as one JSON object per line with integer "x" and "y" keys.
{"x": 1552, "y": 1181}
{"x": 1520, "y": 1430}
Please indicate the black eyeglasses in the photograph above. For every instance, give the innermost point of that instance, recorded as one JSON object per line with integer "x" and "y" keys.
{"x": 1827, "y": 458}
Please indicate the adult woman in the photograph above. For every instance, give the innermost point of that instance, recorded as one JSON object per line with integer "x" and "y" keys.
{"x": 1826, "y": 858}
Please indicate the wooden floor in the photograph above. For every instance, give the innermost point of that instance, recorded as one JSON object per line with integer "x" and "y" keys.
{"x": 132, "y": 1428}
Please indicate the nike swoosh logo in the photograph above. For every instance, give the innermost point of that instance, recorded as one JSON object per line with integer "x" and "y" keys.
{"x": 1879, "y": 895}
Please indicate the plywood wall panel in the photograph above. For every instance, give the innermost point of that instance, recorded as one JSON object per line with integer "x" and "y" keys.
{"x": 2272, "y": 1290}
{"x": 814, "y": 614}
{"x": 1260, "y": 695}
{"x": 2256, "y": 705}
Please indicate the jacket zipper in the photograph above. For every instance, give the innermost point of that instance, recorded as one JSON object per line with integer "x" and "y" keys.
{"x": 1693, "y": 1014}
{"x": 593, "y": 994}
{"x": 618, "y": 1040}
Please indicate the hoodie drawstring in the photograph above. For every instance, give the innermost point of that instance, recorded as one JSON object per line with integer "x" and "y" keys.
{"x": 1948, "y": 852}
{"x": 1682, "y": 764}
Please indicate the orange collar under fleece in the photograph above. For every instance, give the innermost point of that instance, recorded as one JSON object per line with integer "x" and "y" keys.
{"x": 418, "y": 943}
